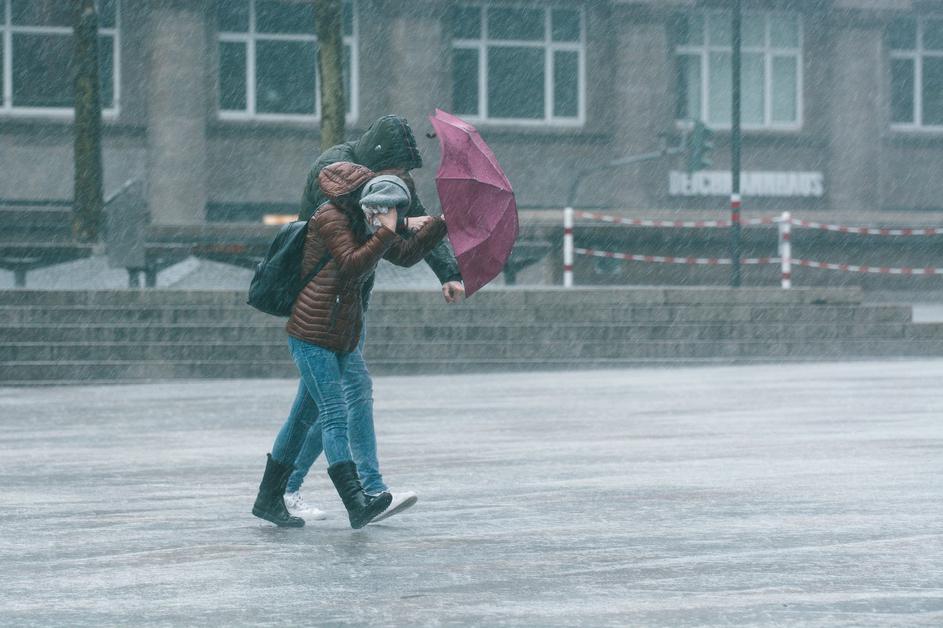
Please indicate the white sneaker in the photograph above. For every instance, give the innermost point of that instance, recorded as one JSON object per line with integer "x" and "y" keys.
{"x": 297, "y": 506}
{"x": 401, "y": 501}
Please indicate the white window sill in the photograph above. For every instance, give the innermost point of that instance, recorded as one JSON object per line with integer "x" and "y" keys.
{"x": 52, "y": 114}
{"x": 790, "y": 129}
{"x": 276, "y": 119}
{"x": 913, "y": 129}
{"x": 505, "y": 123}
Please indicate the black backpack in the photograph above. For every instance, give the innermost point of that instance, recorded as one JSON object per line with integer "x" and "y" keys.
{"x": 277, "y": 280}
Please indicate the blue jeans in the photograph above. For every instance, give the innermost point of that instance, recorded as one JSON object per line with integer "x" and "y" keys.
{"x": 358, "y": 393}
{"x": 320, "y": 401}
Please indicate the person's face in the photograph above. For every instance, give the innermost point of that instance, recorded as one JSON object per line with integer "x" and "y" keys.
{"x": 351, "y": 202}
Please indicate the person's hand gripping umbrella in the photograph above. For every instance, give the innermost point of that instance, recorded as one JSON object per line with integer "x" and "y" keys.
{"x": 477, "y": 201}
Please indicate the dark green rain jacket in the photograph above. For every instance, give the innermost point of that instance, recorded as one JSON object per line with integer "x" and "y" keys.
{"x": 387, "y": 143}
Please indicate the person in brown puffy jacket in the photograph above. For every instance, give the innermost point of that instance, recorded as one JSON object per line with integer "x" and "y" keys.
{"x": 324, "y": 327}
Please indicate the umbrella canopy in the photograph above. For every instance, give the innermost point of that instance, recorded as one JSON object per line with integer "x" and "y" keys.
{"x": 477, "y": 201}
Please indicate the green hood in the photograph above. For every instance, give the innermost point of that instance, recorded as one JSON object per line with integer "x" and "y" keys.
{"x": 388, "y": 143}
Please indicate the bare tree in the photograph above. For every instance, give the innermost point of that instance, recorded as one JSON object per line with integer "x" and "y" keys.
{"x": 88, "y": 194}
{"x": 328, "y": 20}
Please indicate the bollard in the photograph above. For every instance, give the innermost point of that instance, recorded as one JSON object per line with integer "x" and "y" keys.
{"x": 126, "y": 218}
{"x": 785, "y": 249}
{"x": 568, "y": 247}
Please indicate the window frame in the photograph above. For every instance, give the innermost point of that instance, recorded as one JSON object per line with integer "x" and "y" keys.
{"x": 550, "y": 47}
{"x": 250, "y": 37}
{"x": 8, "y": 30}
{"x": 915, "y": 55}
{"x": 704, "y": 50}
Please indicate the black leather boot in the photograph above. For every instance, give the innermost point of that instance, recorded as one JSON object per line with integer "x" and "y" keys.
{"x": 361, "y": 508}
{"x": 270, "y": 502}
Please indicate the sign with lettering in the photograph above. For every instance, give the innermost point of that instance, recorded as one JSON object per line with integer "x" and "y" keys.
{"x": 752, "y": 183}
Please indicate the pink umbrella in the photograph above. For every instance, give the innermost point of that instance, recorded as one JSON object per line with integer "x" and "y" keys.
{"x": 477, "y": 201}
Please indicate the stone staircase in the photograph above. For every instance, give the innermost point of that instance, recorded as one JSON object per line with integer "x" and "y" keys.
{"x": 76, "y": 336}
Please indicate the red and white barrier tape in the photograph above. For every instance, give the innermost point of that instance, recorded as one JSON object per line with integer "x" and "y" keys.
{"x": 880, "y": 231}
{"x": 875, "y": 270}
{"x": 688, "y": 224}
{"x": 805, "y": 224}
{"x": 757, "y": 261}
{"x": 785, "y": 222}
{"x": 661, "y": 259}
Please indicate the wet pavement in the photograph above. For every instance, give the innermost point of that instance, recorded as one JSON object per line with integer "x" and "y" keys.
{"x": 760, "y": 495}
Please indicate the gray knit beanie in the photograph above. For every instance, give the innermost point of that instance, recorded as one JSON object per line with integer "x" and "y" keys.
{"x": 385, "y": 190}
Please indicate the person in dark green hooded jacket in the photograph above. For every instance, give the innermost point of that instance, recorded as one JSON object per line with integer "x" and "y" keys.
{"x": 387, "y": 145}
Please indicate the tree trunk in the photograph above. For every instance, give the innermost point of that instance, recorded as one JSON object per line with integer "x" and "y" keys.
{"x": 88, "y": 194}
{"x": 330, "y": 71}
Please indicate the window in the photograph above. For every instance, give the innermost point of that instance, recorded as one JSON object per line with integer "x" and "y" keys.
{"x": 916, "y": 64}
{"x": 518, "y": 64}
{"x": 770, "y": 69}
{"x": 36, "y": 56}
{"x": 268, "y": 60}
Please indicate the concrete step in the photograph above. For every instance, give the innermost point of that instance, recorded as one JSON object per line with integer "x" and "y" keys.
{"x": 142, "y": 335}
{"x": 122, "y": 371}
{"x": 11, "y": 354}
{"x": 38, "y": 373}
{"x": 521, "y": 297}
{"x": 442, "y": 315}
{"x": 13, "y": 315}
{"x": 142, "y": 352}
{"x": 242, "y": 333}
{"x": 121, "y": 298}
{"x": 538, "y": 351}
{"x": 128, "y": 371}
{"x": 924, "y": 330}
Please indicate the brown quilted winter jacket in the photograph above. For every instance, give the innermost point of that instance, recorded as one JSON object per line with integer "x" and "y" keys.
{"x": 329, "y": 310}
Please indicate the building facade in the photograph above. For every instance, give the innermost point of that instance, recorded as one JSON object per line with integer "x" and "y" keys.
{"x": 214, "y": 103}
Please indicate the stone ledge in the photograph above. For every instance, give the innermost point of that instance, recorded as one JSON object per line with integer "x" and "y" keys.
{"x": 523, "y": 296}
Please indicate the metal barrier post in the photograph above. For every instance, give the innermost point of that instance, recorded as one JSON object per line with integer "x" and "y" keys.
{"x": 785, "y": 249}
{"x": 568, "y": 247}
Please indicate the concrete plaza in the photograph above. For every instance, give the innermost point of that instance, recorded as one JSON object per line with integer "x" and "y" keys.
{"x": 760, "y": 495}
